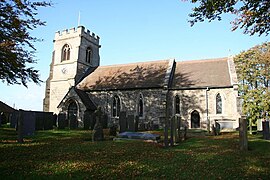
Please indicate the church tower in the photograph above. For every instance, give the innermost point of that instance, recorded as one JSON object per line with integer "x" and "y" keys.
{"x": 75, "y": 50}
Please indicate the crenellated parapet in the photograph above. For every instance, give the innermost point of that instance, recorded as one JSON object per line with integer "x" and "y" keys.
{"x": 79, "y": 31}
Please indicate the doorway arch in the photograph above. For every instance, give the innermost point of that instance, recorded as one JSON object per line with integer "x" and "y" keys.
{"x": 195, "y": 119}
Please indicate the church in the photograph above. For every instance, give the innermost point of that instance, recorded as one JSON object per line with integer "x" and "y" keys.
{"x": 200, "y": 92}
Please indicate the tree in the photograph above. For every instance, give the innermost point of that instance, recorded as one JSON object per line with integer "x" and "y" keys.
{"x": 253, "y": 70}
{"x": 253, "y": 16}
{"x": 17, "y": 19}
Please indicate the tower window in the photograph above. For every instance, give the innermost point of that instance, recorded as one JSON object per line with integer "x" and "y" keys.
{"x": 218, "y": 104}
{"x": 88, "y": 55}
{"x": 65, "y": 52}
{"x": 116, "y": 106}
{"x": 177, "y": 104}
{"x": 140, "y": 106}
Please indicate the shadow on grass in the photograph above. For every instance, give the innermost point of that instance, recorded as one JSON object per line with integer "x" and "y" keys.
{"x": 67, "y": 154}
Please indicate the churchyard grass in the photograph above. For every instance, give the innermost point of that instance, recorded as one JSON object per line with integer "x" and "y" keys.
{"x": 63, "y": 154}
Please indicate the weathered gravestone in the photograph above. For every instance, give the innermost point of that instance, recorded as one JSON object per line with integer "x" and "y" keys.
{"x": 104, "y": 121}
{"x": 266, "y": 133}
{"x": 73, "y": 123}
{"x": 98, "y": 131}
{"x": 13, "y": 119}
{"x": 26, "y": 124}
{"x": 44, "y": 120}
{"x": 123, "y": 121}
{"x": 113, "y": 130}
{"x": 131, "y": 123}
{"x": 92, "y": 120}
{"x": 86, "y": 119}
{"x": 61, "y": 121}
{"x": 136, "y": 123}
{"x": 29, "y": 120}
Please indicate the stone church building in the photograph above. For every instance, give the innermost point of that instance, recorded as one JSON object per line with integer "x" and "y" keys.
{"x": 201, "y": 92}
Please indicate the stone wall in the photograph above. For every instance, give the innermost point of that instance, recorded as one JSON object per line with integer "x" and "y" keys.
{"x": 191, "y": 100}
{"x": 154, "y": 108}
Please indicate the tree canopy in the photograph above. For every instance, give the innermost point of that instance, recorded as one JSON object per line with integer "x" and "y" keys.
{"x": 253, "y": 70}
{"x": 17, "y": 19}
{"x": 253, "y": 16}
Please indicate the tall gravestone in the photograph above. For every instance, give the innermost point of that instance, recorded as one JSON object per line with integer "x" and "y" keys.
{"x": 61, "y": 121}
{"x": 137, "y": 123}
{"x": 104, "y": 121}
{"x": 123, "y": 121}
{"x": 86, "y": 119}
{"x": 73, "y": 123}
{"x": 98, "y": 131}
{"x": 29, "y": 120}
{"x": 243, "y": 140}
{"x": 131, "y": 123}
{"x": 266, "y": 133}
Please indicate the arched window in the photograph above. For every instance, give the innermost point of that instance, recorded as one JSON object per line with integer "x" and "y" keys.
{"x": 88, "y": 55}
{"x": 218, "y": 104}
{"x": 65, "y": 52}
{"x": 177, "y": 104}
{"x": 140, "y": 106}
{"x": 116, "y": 106}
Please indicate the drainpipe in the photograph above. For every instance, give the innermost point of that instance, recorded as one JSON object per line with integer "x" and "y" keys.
{"x": 207, "y": 113}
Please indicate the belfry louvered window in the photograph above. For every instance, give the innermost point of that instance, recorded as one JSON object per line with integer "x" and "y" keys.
{"x": 65, "y": 52}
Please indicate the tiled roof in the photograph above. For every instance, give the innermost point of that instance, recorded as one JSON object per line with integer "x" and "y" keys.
{"x": 5, "y": 108}
{"x": 202, "y": 73}
{"x": 126, "y": 76}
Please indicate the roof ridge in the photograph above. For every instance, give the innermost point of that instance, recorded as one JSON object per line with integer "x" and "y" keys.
{"x": 204, "y": 60}
{"x": 135, "y": 63}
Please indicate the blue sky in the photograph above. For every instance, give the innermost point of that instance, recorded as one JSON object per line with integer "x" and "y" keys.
{"x": 130, "y": 31}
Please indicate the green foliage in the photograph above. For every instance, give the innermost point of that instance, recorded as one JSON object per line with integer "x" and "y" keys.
{"x": 251, "y": 15}
{"x": 253, "y": 72}
{"x": 71, "y": 154}
{"x": 17, "y": 19}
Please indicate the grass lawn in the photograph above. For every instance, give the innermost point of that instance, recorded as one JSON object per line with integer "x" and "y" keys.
{"x": 71, "y": 154}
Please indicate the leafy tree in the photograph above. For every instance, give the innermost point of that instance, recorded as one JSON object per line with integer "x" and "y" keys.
{"x": 253, "y": 16}
{"x": 17, "y": 19}
{"x": 253, "y": 70}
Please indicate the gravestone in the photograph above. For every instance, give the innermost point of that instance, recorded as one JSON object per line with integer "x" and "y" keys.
{"x": 243, "y": 140}
{"x": 29, "y": 120}
{"x": 131, "y": 123}
{"x": 0, "y": 120}
{"x": 61, "y": 121}
{"x": 113, "y": 130}
{"x": 104, "y": 121}
{"x": 54, "y": 119}
{"x": 98, "y": 131}
{"x": 123, "y": 121}
{"x": 39, "y": 121}
{"x": 86, "y": 119}
{"x": 13, "y": 119}
{"x": 48, "y": 120}
{"x": 73, "y": 123}
{"x": 136, "y": 123}
{"x": 92, "y": 120}
{"x": 266, "y": 133}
